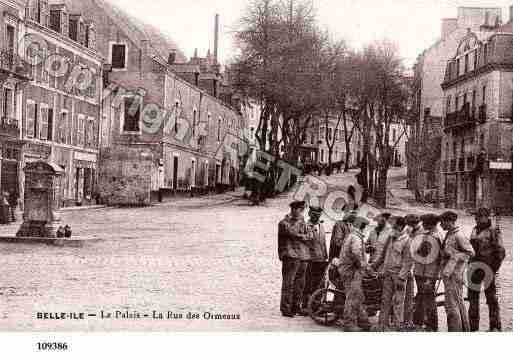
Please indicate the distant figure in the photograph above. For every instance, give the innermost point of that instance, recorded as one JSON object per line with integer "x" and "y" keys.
{"x": 13, "y": 204}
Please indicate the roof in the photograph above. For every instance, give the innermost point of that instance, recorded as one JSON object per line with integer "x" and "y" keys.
{"x": 136, "y": 29}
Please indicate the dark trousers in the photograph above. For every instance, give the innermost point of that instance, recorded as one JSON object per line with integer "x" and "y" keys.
{"x": 293, "y": 284}
{"x": 491, "y": 299}
{"x": 314, "y": 276}
{"x": 425, "y": 304}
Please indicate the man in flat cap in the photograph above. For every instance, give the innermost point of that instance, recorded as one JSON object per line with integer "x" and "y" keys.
{"x": 456, "y": 253}
{"x": 378, "y": 237}
{"x": 352, "y": 265}
{"x": 397, "y": 264}
{"x": 294, "y": 252}
{"x": 487, "y": 243}
{"x": 425, "y": 250}
{"x": 318, "y": 255}
{"x": 414, "y": 227}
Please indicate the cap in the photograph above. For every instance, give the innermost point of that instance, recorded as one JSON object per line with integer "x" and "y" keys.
{"x": 412, "y": 219}
{"x": 298, "y": 204}
{"x": 384, "y": 215}
{"x": 398, "y": 220}
{"x": 350, "y": 216}
{"x": 449, "y": 216}
{"x": 429, "y": 220}
{"x": 317, "y": 210}
{"x": 483, "y": 212}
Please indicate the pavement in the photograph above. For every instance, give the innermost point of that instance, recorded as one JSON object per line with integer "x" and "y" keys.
{"x": 207, "y": 263}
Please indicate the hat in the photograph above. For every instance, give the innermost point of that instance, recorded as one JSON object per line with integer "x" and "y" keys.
{"x": 412, "y": 219}
{"x": 483, "y": 212}
{"x": 317, "y": 210}
{"x": 398, "y": 220}
{"x": 298, "y": 204}
{"x": 350, "y": 217}
{"x": 449, "y": 216}
{"x": 384, "y": 215}
{"x": 429, "y": 220}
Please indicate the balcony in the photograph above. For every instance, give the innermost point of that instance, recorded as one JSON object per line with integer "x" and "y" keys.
{"x": 465, "y": 118}
{"x": 14, "y": 65}
{"x": 9, "y": 127}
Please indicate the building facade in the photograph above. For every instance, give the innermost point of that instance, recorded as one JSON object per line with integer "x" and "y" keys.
{"x": 477, "y": 141}
{"x": 54, "y": 118}
{"x": 14, "y": 75}
{"x": 163, "y": 107}
{"x": 315, "y": 149}
{"x": 425, "y": 138}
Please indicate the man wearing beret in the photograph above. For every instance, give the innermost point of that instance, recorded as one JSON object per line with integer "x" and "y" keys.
{"x": 294, "y": 252}
{"x": 456, "y": 252}
{"x": 318, "y": 255}
{"x": 425, "y": 249}
{"x": 487, "y": 243}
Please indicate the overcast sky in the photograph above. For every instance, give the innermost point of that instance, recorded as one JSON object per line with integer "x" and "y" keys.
{"x": 412, "y": 24}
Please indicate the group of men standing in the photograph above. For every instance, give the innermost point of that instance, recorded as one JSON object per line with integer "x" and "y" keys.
{"x": 405, "y": 252}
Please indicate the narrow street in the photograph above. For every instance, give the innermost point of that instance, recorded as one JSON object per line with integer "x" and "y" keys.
{"x": 215, "y": 254}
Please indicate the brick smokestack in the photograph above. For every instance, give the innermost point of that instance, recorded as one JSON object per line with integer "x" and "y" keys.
{"x": 216, "y": 38}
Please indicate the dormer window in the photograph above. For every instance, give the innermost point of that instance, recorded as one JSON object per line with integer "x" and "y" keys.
{"x": 118, "y": 56}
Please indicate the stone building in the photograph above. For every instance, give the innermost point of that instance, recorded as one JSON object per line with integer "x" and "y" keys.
{"x": 315, "y": 149}
{"x": 14, "y": 75}
{"x": 55, "y": 118}
{"x": 425, "y": 138}
{"x": 478, "y": 104}
{"x": 161, "y": 106}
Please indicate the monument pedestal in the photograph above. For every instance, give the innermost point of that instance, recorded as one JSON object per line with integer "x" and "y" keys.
{"x": 42, "y": 200}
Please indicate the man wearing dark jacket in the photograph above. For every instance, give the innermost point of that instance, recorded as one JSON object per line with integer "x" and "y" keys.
{"x": 294, "y": 252}
{"x": 487, "y": 243}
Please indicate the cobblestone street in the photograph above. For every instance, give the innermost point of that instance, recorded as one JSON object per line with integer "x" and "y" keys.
{"x": 215, "y": 254}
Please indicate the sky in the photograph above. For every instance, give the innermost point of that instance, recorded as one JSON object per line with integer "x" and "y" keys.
{"x": 412, "y": 25}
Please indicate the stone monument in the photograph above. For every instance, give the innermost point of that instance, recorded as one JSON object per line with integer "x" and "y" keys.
{"x": 41, "y": 215}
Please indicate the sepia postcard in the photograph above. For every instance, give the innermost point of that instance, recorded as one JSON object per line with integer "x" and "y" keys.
{"x": 255, "y": 166}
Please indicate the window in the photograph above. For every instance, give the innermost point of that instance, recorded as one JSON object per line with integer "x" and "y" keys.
{"x": 8, "y": 104}
{"x": 219, "y": 129}
{"x": 475, "y": 59}
{"x": 55, "y": 20}
{"x": 485, "y": 53}
{"x": 90, "y": 133}
{"x": 457, "y": 67}
{"x": 118, "y": 56}
{"x": 194, "y": 113}
{"x": 10, "y": 37}
{"x": 63, "y": 123}
{"x": 473, "y": 98}
{"x": 43, "y": 122}
{"x": 484, "y": 95}
{"x": 80, "y": 130}
{"x": 132, "y": 115}
{"x": 466, "y": 63}
{"x": 448, "y": 108}
{"x": 394, "y": 135}
{"x": 31, "y": 119}
{"x": 456, "y": 103}
{"x": 313, "y": 139}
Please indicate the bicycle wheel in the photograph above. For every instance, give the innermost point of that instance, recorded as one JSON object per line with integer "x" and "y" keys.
{"x": 322, "y": 306}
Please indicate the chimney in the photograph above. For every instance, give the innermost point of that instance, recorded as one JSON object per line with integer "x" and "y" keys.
{"x": 448, "y": 26}
{"x": 216, "y": 38}
{"x": 171, "y": 59}
{"x": 511, "y": 13}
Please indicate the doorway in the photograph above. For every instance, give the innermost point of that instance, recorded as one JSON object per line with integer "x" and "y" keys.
{"x": 175, "y": 172}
